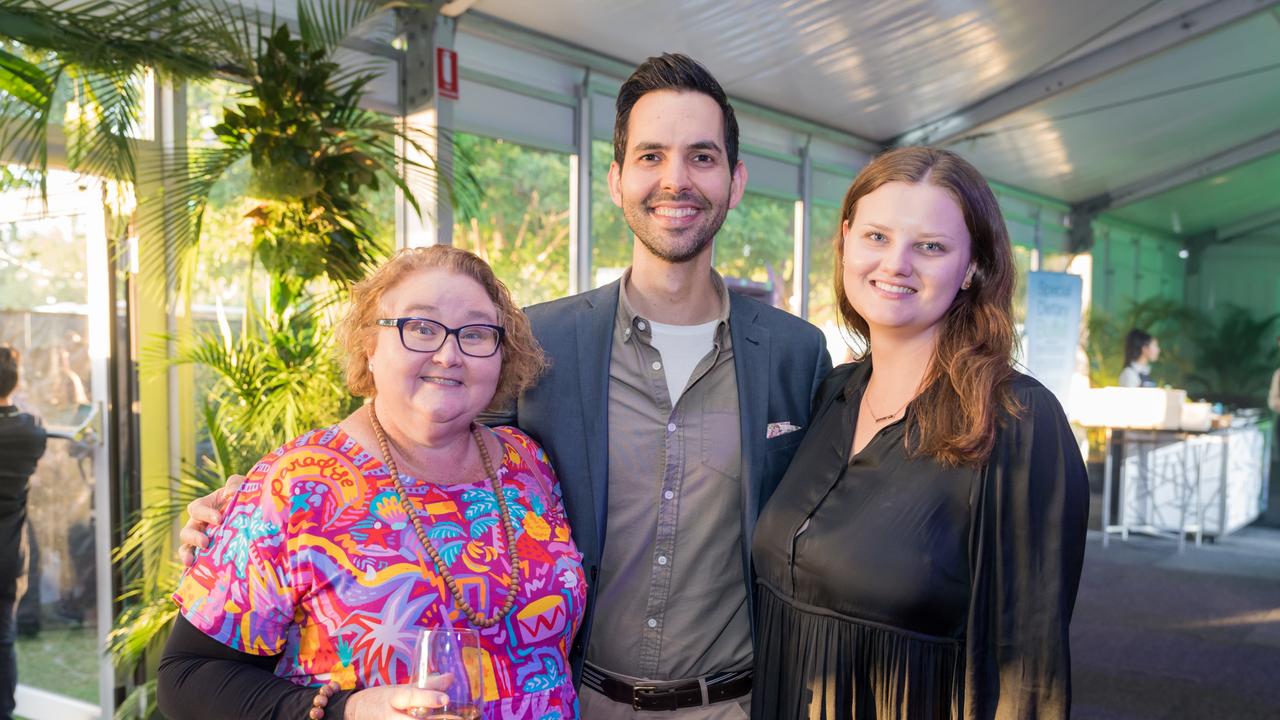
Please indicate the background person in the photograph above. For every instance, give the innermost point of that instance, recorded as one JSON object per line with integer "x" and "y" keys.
{"x": 922, "y": 555}
{"x": 1273, "y": 394}
{"x": 345, "y": 543}
{"x": 1140, "y": 350}
{"x": 22, "y": 443}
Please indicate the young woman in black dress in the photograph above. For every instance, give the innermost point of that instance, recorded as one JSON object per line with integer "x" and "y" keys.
{"x": 920, "y": 558}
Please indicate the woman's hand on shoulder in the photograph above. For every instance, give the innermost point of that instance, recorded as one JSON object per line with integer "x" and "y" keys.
{"x": 395, "y": 702}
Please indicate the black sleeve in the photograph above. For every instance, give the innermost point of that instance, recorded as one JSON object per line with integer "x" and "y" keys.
{"x": 1027, "y": 552}
{"x": 199, "y": 678}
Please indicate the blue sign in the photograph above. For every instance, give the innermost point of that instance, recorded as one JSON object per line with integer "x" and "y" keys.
{"x": 1052, "y": 330}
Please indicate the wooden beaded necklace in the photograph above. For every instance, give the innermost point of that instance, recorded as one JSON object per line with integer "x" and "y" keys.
{"x": 508, "y": 529}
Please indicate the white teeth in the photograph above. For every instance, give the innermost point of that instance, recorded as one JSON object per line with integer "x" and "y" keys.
{"x": 441, "y": 381}
{"x": 674, "y": 212}
{"x": 892, "y": 288}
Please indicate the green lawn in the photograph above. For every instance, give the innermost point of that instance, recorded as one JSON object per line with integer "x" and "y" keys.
{"x": 61, "y": 660}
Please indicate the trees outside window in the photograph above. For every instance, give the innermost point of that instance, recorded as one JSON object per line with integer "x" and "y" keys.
{"x": 521, "y": 224}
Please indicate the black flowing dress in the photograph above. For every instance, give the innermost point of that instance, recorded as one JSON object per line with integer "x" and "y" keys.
{"x": 896, "y": 587}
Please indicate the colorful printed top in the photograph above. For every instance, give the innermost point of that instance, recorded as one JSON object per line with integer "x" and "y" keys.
{"x": 317, "y": 560}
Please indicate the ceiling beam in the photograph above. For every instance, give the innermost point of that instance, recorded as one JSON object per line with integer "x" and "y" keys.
{"x": 1249, "y": 225}
{"x": 1102, "y": 62}
{"x": 1164, "y": 181}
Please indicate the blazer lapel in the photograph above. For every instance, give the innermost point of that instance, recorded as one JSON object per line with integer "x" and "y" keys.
{"x": 595, "y": 343}
{"x": 751, "y": 361}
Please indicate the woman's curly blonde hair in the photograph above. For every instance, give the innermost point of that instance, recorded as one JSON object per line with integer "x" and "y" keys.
{"x": 522, "y": 358}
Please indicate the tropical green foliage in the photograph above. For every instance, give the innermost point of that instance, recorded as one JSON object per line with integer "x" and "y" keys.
{"x": 94, "y": 53}
{"x": 1226, "y": 356}
{"x": 756, "y": 243}
{"x": 1165, "y": 319}
{"x": 611, "y": 239}
{"x": 1235, "y": 355}
{"x": 306, "y": 164}
{"x": 521, "y": 226}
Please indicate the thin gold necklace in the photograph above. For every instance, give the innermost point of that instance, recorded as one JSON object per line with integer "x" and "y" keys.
{"x": 866, "y": 400}
{"x": 504, "y": 515}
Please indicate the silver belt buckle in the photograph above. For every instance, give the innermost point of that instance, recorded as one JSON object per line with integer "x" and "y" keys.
{"x": 650, "y": 691}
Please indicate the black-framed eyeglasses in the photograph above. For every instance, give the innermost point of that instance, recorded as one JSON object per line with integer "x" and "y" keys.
{"x": 426, "y": 335}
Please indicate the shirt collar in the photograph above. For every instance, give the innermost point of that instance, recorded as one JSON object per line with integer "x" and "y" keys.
{"x": 857, "y": 381}
{"x": 633, "y": 323}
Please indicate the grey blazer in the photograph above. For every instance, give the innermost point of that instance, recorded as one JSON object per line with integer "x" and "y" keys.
{"x": 780, "y": 360}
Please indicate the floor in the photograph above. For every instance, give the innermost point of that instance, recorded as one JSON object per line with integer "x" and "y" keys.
{"x": 1169, "y": 636}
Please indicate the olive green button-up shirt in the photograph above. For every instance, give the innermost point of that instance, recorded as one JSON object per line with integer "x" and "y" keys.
{"x": 672, "y": 599}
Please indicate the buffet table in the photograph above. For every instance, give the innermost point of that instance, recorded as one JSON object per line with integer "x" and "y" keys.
{"x": 1176, "y": 482}
{"x": 1172, "y": 469}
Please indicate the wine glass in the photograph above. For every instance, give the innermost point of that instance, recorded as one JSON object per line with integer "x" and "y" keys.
{"x": 455, "y": 651}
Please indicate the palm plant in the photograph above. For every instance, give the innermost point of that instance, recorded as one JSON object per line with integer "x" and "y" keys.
{"x": 314, "y": 151}
{"x": 315, "y": 156}
{"x": 96, "y": 52}
{"x": 1166, "y": 319}
{"x": 1235, "y": 356}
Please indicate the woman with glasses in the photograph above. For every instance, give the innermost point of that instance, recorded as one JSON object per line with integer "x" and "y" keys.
{"x": 345, "y": 542}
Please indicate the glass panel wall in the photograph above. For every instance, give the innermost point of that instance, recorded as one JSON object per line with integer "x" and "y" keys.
{"x": 228, "y": 282}
{"x": 611, "y": 239}
{"x": 756, "y": 246}
{"x": 824, "y": 226}
{"x": 47, "y": 274}
{"x": 521, "y": 226}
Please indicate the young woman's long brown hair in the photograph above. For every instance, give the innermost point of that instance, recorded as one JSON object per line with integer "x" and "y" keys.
{"x": 968, "y": 381}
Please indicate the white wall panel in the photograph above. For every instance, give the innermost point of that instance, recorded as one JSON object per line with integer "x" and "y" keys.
{"x": 1242, "y": 274}
{"x": 499, "y": 113}
{"x": 602, "y": 114}
{"x": 826, "y": 152}
{"x": 829, "y": 187}
{"x": 519, "y": 66}
{"x": 752, "y": 131}
{"x": 771, "y": 177}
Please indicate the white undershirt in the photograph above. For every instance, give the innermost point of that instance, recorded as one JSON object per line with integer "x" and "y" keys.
{"x": 681, "y": 347}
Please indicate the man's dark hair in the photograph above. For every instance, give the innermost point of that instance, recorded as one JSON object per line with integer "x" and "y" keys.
{"x": 9, "y": 359}
{"x": 672, "y": 71}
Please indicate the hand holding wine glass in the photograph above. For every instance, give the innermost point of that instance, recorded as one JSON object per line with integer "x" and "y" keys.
{"x": 395, "y": 702}
{"x": 454, "y": 654}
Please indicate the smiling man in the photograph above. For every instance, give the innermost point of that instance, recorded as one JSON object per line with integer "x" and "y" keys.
{"x": 666, "y": 414}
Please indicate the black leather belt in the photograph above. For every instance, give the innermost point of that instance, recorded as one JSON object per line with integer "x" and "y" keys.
{"x": 668, "y": 696}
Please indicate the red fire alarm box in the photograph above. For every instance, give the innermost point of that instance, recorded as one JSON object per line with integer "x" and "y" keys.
{"x": 447, "y": 73}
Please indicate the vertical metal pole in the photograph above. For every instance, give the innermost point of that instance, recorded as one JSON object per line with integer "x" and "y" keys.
{"x": 1035, "y": 241}
{"x": 1110, "y": 272}
{"x": 802, "y": 232}
{"x": 1121, "y": 489}
{"x": 1183, "y": 492}
{"x": 1107, "y": 463}
{"x": 580, "y": 194}
{"x": 428, "y": 120}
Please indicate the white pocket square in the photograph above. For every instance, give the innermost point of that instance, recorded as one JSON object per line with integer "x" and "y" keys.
{"x": 778, "y": 429}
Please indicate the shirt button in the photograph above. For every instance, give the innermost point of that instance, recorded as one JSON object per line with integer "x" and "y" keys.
{"x": 662, "y": 559}
{"x": 640, "y": 324}
{"x": 668, "y": 494}
{"x": 656, "y": 365}
{"x": 626, "y": 333}
{"x": 652, "y": 623}
{"x": 671, "y": 427}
